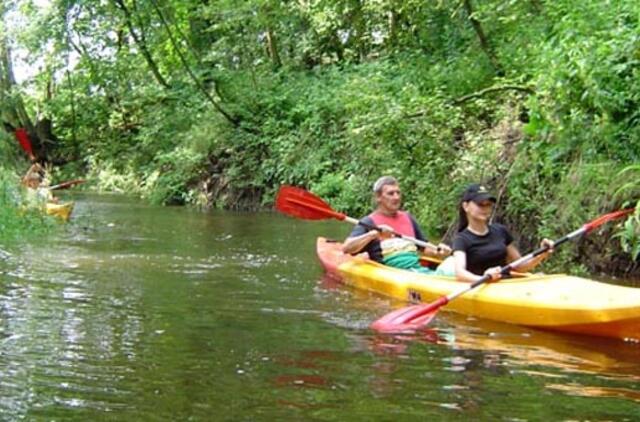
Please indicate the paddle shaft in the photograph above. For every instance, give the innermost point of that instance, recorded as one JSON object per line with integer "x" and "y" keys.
{"x": 68, "y": 184}
{"x": 418, "y": 242}
{"x": 341, "y": 216}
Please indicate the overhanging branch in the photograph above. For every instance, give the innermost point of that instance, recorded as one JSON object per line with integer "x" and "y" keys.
{"x": 491, "y": 90}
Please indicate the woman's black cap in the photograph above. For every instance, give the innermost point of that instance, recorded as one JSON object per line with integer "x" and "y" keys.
{"x": 477, "y": 193}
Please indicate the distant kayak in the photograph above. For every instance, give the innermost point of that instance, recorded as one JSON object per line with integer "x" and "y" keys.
{"x": 62, "y": 211}
{"x": 555, "y": 302}
{"x": 42, "y": 199}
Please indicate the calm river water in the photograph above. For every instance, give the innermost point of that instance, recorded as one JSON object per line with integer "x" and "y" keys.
{"x": 142, "y": 313}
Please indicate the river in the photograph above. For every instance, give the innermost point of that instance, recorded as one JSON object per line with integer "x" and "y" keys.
{"x": 139, "y": 312}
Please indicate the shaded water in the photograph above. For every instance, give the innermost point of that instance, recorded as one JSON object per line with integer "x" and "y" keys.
{"x": 149, "y": 313}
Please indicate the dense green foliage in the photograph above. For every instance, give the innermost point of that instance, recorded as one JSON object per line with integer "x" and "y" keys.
{"x": 17, "y": 221}
{"x": 219, "y": 103}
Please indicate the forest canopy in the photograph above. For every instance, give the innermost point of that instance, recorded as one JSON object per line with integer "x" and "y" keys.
{"x": 218, "y": 103}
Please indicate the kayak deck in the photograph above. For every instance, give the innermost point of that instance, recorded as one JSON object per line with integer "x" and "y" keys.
{"x": 555, "y": 302}
{"x": 62, "y": 211}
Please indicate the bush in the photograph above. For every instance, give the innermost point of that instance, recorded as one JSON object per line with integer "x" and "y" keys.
{"x": 15, "y": 220}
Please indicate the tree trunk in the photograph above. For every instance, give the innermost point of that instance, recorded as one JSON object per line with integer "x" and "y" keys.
{"x": 44, "y": 125}
{"x": 484, "y": 42}
{"x": 12, "y": 109}
{"x": 393, "y": 28}
{"x": 360, "y": 26}
{"x": 232, "y": 119}
{"x": 72, "y": 103}
{"x": 141, "y": 43}
{"x": 272, "y": 49}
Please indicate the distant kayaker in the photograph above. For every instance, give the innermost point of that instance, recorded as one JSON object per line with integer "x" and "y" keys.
{"x": 381, "y": 246}
{"x": 481, "y": 247}
{"x": 35, "y": 176}
{"x": 37, "y": 189}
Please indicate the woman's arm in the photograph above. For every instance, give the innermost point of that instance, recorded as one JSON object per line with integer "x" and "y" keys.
{"x": 462, "y": 274}
{"x": 513, "y": 254}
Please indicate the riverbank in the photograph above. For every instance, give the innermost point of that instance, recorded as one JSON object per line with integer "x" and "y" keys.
{"x": 537, "y": 100}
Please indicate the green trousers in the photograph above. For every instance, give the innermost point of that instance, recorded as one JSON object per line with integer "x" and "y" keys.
{"x": 411, "y": 261}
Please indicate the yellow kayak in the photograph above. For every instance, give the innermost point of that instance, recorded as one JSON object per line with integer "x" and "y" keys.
{"x": 556, "y": 302}
{"x": 62, "y": 211}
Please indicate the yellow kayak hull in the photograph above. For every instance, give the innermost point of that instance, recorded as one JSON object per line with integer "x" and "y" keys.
{"x": 554, "y": 302}
{"x": 62, "y": 211}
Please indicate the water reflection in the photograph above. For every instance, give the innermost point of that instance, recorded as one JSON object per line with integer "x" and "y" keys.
{"x": 459, "y": 332}
{"x": 55, "y": 343}
{"x": 475, "y": 349}
{"x": 149, "y": 313}
{"x": 575, "y": 389}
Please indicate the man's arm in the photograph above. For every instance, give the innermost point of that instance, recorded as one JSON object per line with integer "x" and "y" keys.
{"x": 440, "y": 251}
{"x": 354, "y": 244}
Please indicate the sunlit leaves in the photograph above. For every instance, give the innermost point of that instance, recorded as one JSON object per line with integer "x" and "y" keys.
{"x": 331, "y": 93}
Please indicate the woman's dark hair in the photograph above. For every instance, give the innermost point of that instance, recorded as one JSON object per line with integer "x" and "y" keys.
{"x": 474, "y": 192}
{"x": 463, "y": 222}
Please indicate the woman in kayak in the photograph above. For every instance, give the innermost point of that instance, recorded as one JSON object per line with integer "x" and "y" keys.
{"x": 481, "y": 247}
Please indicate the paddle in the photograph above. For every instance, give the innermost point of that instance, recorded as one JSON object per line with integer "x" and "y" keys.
{"x": 25, "y": 143}
{"x": 300, "y": 203}
{"x": 66, "y": 185}
{"x": 417, "y": 316}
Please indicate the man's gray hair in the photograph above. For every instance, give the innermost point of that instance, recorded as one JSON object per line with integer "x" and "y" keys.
{"x": 382, "y": 182}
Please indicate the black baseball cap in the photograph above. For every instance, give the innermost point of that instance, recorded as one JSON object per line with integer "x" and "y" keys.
{"x": 477, "y": 193}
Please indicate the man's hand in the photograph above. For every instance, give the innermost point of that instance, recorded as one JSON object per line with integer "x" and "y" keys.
{"x": 443, "y": 250}
{"x": 386, "y": 233}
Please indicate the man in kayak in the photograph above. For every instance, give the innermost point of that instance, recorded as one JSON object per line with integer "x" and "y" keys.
{"x": 382, "y": 246}
{"x": 480, "y": 246}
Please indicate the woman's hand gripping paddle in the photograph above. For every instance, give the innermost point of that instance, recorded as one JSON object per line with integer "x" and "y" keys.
{"x": 414, "y": 317}
{"x": 300, "y": 203}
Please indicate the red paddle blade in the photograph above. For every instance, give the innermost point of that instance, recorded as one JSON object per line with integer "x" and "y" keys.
{"x": 300, "y": 203}
{"x": 397, "y": 322}
{"x": 607, "y": 217}
{"x": 410, "y": 318}
{"x": 23, "y": 139}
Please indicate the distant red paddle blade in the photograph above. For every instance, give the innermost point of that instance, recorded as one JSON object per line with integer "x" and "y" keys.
{"x": 23, "y": 138}
{"x": 300, "y": 203}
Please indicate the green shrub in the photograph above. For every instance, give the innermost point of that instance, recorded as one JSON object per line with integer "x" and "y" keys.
{"x": 15, "y": 220}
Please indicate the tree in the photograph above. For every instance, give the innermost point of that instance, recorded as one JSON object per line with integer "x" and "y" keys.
{"x": 12, "y": 107}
